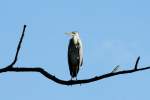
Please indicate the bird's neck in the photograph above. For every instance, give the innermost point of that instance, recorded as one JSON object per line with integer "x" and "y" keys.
{"x": 75, "y": 39}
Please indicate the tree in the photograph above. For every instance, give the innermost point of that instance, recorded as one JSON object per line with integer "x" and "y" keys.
{"x": 12, "y": 68}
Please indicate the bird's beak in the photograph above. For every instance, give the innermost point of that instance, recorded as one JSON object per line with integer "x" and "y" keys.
{"x": 69, "y": 33}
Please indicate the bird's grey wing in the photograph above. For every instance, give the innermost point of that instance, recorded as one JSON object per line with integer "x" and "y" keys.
{"x": 69, "y": 56}
{"x": 81, "y": 53}
{"x": 73, "y": 58}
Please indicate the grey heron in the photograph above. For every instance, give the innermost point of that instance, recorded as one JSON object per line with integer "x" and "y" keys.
{"x": 75, "y": 54}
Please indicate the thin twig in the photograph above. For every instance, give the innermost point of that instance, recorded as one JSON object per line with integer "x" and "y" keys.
{"x": 136, "y": 64}
{"x": 18, "y": 47}
{"x": 115, "y": 69}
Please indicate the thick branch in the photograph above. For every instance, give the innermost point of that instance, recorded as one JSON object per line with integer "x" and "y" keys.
{"x": 11, "y": 68}
{"x": 70, "y": 82}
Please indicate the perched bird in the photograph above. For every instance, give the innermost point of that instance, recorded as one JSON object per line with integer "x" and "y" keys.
{"x": 75, "y": 54}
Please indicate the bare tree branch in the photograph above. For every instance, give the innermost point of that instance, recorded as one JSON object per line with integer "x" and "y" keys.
{"x": 11, "y": 68}
{"x": 18, "y": 47}
{"x": 136, "y": 64}
{"x": 115, "y": 69}
{"x": 69, "y": 82}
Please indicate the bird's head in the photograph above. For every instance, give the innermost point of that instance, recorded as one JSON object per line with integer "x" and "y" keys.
{"x": 73, "y": 34}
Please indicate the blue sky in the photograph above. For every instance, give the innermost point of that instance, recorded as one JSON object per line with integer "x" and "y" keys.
{"x": 114, "y": 32}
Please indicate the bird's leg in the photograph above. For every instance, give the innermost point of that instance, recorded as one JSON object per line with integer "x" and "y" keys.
{"x": 71, "y": 79}
{"x": 76, "y": 79}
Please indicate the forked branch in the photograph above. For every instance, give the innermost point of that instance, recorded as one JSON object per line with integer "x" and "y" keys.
{"x": 11, "y": 68}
